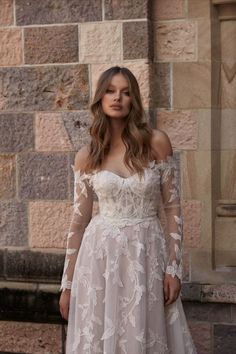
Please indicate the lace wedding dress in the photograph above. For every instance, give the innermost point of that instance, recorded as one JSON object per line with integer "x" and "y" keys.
{"x": 116, "y": 278}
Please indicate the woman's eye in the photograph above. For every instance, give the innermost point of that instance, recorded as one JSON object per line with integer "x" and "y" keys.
{"x": 109, "y": 91}
{"x": 126, "y": 93}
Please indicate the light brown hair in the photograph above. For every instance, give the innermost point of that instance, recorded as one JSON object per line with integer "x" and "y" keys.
{"x": 136, "y": 134}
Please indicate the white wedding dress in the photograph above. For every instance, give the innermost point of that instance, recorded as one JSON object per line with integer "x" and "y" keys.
{"x": 116, "y": 278}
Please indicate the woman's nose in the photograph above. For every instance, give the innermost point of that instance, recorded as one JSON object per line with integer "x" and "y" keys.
{"x": 117, "y": 96}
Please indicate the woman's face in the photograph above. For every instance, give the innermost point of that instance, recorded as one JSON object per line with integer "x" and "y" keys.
{"x": 116, "y": 102}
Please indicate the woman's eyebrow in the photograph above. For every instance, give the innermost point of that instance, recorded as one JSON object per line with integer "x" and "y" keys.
{"x": 124, "y": 88}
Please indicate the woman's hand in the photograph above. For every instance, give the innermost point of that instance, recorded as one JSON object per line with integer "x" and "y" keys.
{"x": 172, "y": 288}
{"x": 64, "y": 303}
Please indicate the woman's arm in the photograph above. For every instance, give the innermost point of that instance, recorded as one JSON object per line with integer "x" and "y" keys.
{"x": 170, "y": 192}
{"x": 82, "y": 213}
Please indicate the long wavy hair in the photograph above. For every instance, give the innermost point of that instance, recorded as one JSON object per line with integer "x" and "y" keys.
{"x": 136, "y": 134}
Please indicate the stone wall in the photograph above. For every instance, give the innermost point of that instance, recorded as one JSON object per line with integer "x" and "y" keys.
{"x": 50, "y": 59}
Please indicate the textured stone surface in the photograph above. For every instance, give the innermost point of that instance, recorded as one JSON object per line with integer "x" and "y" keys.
{"x": 207, "y": 312}
{"x": 181, "y": 126}
{"x": 44, "y": 88}
{"x": 160, "y": 85}
{"x": 31, "y": 265}
{"x": 60, "y": 11}
{"x": 199, "y": 8}
{"x": 191, "y": 291}
{"x": 24, "y": 301}
{"x": 50, "y": 133}
{"x": 56, "y": 44}
{"x": 185, "y": 265}
{"x": 175, "y": 41}
{"x": 205, "y": 130}
{"x": 135, "y": 40}
{"x": 196, "y": 175}
{"x": 77, "y": 126}
{"x": 228, "y": 129}
{"x": 10, "y": 47}
{"x": 13, "y": 223}
{"x": 228, "y": 174}
{"x": 100, "y": 42}
{"x": 228, "y": 85}
{"x": 28, "y": 338}
{"x": 225, "y": 293}
{"x": 71, "y": 175}
{"x": 2, "y": 267}
{"x": 224, "y": 339}
{"x": 7, "y": 176}
{"x": 48, "y": 224}
{"x": 225, "y": 246}
{"x": 125, "y": 9}
{"x": 168, "y": 9}
{"x": 196, "y": 76}
{"x": 192, "y": 223}
{"x": 228, "y": 33}
{"x": 6, "y": 13}
{"x": 16, "y": 131}
{"x": 205, "y": 36}
{"x": 43, "y": 176}
{"x": 202, "y": 336}
{"x": 140, "y": 70}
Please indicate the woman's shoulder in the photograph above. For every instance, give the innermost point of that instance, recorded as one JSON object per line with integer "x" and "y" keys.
{"x": 161, "y": 145}
{"x": 81, "y": 157}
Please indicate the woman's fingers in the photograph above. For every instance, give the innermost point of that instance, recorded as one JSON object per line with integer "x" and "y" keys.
{"x": 64, "y": 304}
{"x": 172, "y": 288}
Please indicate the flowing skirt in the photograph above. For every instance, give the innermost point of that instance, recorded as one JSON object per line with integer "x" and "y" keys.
{"x": 117, "y": 303}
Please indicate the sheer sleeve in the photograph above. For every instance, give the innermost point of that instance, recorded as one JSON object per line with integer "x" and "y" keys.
{"x": 170, "y": 191}
{"x": 82, "y": 213}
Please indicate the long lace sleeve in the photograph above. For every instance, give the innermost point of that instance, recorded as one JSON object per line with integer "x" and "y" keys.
{"x": 82, "y": 213}
{"x": 170, "y": 191}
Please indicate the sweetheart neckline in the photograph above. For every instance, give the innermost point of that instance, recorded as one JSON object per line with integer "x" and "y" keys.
{"x": 152, "y": 163}
{"x": 133, "y": 175}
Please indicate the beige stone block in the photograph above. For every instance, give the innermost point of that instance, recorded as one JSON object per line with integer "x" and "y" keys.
{"x": 228, "y": 35}
{"x": 49, "y": 223}
{"x": 50, "y": 133}
{"x": 199, "y": 8}
{"x": 6, "y": 13}
{"x": 140, "y": 69}
{"x": 228, "y": 174}
{"x": 99, "y": 42}
{"x": 28, "y": 338}
{"x": 192, "y": 85}
{"x": 205, "y": 128}
{"x": 202, "y": 268}
{"x": 196, "y": 170}
{"x": 181, "y": 126}
{"x": 10, "y": 47}
{"x": 168, "y": 9}
{"x": 192, "y": 210}
{"x": 204, "y": 43}
{"x": 225, "y": 245}
{"x": 228, "y": 129}
{"x": 175, "y": 41}
{"x": 228, "y": 84}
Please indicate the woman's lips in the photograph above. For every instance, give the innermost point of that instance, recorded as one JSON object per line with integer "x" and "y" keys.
{"x": 116, "y": 107}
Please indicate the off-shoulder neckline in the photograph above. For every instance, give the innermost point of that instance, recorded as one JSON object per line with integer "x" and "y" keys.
{"x": 151, "y": 164}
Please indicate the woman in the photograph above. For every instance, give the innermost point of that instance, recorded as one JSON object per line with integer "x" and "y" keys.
{"x": 121, "y": 288}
